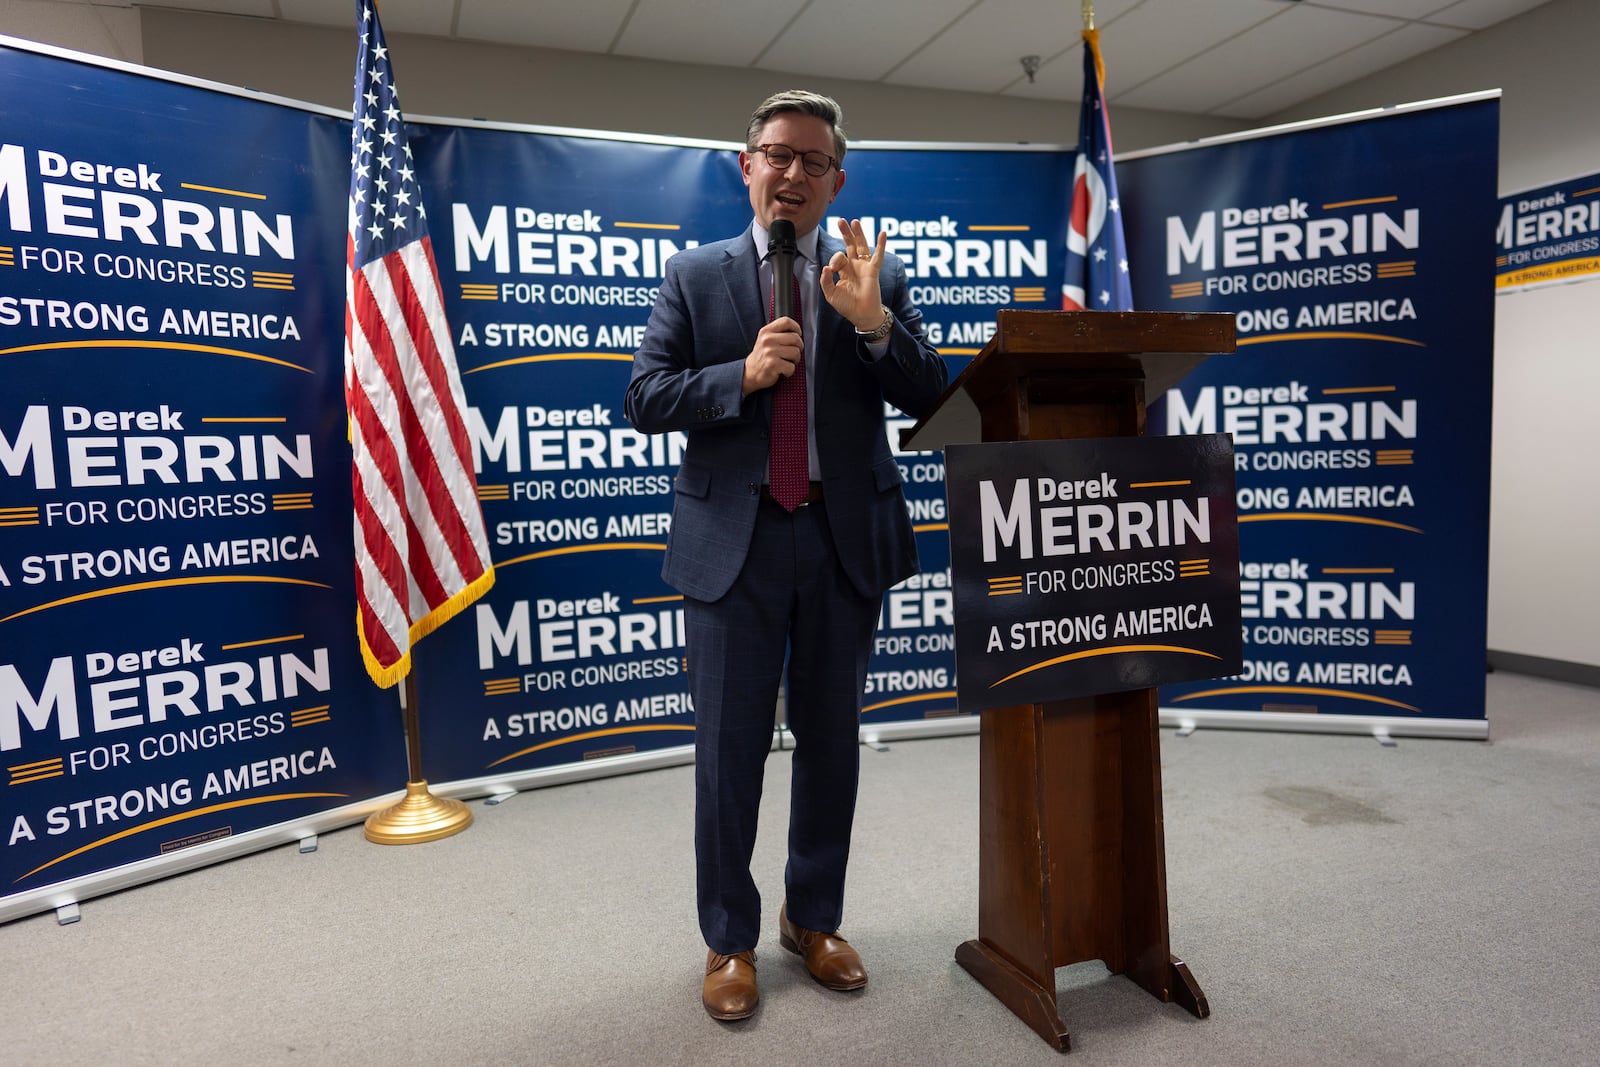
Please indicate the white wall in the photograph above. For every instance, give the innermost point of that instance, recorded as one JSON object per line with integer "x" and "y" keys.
{"x": 1544, "y": 566}
{"x": 1544, "y": 582}
{"x": 112, "y": 32}
{"x": 1544, "y": 571}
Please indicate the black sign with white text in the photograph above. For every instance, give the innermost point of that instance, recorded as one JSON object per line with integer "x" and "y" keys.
{"x": 1092, "y": 566}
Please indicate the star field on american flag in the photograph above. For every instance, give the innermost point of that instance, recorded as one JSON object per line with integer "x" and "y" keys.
{"x": 384, "y": 194}
{"x": 1096, "y": 277}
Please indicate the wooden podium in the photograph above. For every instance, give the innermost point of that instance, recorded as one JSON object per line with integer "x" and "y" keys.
{"x": 1072, "y": 860}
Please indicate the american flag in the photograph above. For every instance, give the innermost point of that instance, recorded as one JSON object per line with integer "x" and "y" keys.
{"x": 1097, "y": 254}
{"x": 422, "y": 554}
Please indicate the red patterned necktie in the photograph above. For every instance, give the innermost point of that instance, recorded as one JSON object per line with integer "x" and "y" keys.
{"x": 788, "y": 466}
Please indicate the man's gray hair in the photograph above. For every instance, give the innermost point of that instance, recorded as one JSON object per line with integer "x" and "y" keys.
{"x": 806, "y": 103}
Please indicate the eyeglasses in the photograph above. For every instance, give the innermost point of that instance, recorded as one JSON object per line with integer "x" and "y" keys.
{"x": 781, "y": 156}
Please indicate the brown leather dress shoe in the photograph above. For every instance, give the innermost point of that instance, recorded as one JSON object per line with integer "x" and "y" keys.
{"x": 729, "y": 991}
{"x": 829, "y": 958}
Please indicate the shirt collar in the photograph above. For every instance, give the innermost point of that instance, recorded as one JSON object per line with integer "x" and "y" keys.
{"x": 805, "y": 244}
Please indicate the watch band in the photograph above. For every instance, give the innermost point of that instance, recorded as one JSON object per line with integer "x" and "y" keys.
{"x": 883, "y": 328}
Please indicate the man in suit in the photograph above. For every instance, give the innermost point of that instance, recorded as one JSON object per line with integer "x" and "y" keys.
{"x": 788, "y": 526}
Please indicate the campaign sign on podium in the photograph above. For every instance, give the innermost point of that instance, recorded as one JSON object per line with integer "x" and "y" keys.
{"x": 1092, "y": 566}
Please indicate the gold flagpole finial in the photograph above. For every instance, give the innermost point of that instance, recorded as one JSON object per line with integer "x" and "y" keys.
{"x": 1088, "y": 14}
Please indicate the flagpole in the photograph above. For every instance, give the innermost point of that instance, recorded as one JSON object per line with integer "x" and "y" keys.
{"x": 1095, "y": 277}
{"x": 422, "y": 551}
{"x": 421, "y": 816}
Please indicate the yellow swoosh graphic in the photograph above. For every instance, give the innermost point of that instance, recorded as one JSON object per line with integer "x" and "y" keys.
{"x": 1302, "y": 690}
{"x": 1324, "y": 516}
{"x": 1109, "y": 650}
{"x": 555, "y": 357}
{"x": 130, "y": 831}
{"x": 179, "y": 346}
{"x": 587, "y": 737}
{"x": 1358, "y": 203}
{"x": 1327, "y": 335}
{"x": 164, "y": 583}
{"x": 547, "y": 553}
{"x": 227, "y": 192}
{"x": 948, "y": 694}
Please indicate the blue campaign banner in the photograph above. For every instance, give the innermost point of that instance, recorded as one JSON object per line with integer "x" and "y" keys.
{"x": 550, "y": 250}
{"x": 979, "y": 229}
{"x": 550, "y": 258}
{"x": 1548, "y": 235}
{"x": 177, "y": 469}
{"x": 178, "y": 662}
{"x": 177, "y": 657}
{"x": 1358, "y": 400}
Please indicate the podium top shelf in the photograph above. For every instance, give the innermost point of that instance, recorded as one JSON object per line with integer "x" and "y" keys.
{"x": 1158, "y": 347}
{"x": 1111, "y": 332}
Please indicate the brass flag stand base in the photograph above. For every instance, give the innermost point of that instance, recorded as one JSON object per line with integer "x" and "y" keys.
{"x": 420, "y": 817}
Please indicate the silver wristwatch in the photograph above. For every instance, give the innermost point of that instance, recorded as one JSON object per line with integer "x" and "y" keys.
{"x": 883, "y": 328}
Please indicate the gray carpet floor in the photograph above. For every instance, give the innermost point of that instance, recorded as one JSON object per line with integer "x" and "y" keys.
{"x": 1340, "y": 902}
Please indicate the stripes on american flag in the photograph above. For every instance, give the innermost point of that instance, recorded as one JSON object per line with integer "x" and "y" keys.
{"x": 1097, "y": 254}
{"x": 422, "y": 554}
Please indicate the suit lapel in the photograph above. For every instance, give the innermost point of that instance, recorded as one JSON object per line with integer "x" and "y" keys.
{"x": 741, "y": 278}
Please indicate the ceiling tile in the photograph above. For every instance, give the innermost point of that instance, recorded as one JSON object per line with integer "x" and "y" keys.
{"x": 1286, "y": 44}
{"x": 857, "y": 39}
{"x": 588, "y": 26}
{"x": 981, "y": 50}
{"x": 1160, "y": 34}
{"x": 1059, "y": 77}
{"x": 1346, "y": 69}
{"x": 1400, "y": 9}
{"x": 716, "y": 32}
{"x": 1479, "y": 14}
{"x": 1144, "y": 42}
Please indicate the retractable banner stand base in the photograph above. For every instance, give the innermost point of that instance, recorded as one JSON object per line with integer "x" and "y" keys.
{"x": 1372, "y": 725}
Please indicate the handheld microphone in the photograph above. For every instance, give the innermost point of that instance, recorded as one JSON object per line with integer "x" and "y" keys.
{"x": 780, "y": 250}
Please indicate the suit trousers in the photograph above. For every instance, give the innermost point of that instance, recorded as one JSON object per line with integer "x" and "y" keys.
{"x": 791, "y": 596}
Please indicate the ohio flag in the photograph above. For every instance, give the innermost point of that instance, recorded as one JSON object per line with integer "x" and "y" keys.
{"x": 1097, "y": 255}
{"x": 422, "y": 553}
